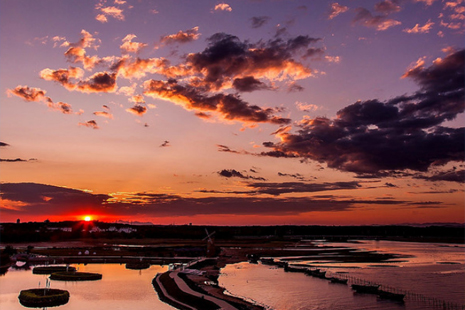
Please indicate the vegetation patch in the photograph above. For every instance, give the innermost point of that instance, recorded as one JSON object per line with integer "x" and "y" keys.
{"x": 52, "y": 269}
{"x": 40, "y": 297}
{"x": 75, "y": 276}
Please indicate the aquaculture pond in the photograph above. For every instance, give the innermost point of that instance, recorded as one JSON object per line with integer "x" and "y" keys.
{"x": 119, "y": 288}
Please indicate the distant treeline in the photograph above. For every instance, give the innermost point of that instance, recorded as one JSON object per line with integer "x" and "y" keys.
{"x": 60, "y": 231}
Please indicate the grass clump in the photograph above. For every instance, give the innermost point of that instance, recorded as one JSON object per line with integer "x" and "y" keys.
{"x": 40, "y": 297}
{"x": 52, "y": 269}
{"x": 75, "y": 276}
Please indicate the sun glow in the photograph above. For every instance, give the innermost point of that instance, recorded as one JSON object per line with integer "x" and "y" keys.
{"x": 87, "y": 218}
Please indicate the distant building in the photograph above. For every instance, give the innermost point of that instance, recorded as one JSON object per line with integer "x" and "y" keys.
{"x": 66, "y": 229}
{"x": 95, "y": 229}
{"x": 127, "y": 230}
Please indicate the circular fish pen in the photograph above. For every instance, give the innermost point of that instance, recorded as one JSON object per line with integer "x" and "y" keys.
{"x": 75, "y": 276}
{"x": 138, "y": 265}
{"x": 43, "y": 297}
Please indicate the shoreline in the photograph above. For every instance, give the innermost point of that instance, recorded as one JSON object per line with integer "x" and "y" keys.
{"x": 203, "y": 285}
{"x": 199, "y": 284}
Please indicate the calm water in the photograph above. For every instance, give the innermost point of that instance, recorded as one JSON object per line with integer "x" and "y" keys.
{"x": 426, "y": 270}
{"x": 421, "y": 274}
{"x": 120, "y": 288}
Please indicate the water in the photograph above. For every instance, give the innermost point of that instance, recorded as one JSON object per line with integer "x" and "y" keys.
{"x": 419, "y": 272}
{"x": 120, "y": 288}
{"x": 425, "y": 269}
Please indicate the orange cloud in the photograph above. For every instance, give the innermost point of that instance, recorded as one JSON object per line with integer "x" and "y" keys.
{"x": 131, "y": 47}
{"x": 426, "y": 2}
{"x": 137, "y": 109}
{"x": 104, "y": 114}
{"x": 77, "y": 51}
{"x": 182, "y": 36}
{"x": 109, "y": 11}
{"x": 222, "y": 7}
{"x": 62, "y": 76}
{"x": 91, "y": 124}
{"x": 420, "y": 29}
{"x": 227, "y": 58}
{"x": 228, "y": 107}
{"x": 337, "y": 9}
{"x": 27, "y": 93}
{"x": 37, "y": 94}
{"x": 137, "y": 99}
{"x": 128, "y": 67}
{"x": 307, "y": 107}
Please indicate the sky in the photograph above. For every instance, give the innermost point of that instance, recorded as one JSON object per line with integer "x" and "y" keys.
{"x": 242, "y": 112}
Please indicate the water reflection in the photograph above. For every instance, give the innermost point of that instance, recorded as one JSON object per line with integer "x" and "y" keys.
{"x": 433, "y": 270}
{"x": 120, "y": 288}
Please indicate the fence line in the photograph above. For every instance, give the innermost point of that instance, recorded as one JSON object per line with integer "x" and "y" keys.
{"x": 432, "y": 301}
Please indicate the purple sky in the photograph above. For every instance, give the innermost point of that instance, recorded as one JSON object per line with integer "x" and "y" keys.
{"x": 237, "y": 112}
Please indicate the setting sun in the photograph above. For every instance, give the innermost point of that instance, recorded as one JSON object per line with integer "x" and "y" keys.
{"x": 87, "y": 218}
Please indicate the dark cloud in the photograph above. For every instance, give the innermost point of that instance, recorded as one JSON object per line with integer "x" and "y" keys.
{"x": 12, "y": 160}
{"x": 76, "y": 52}
{"x": 165, "y": 144}
{"x": 104, "y": 114}
{"x": 62, "y": 76}
{"x": 387, "y": 6}
{"x": 229, "y": 107}
{"x": 276, "y": 189}
{"x": 47, "y": 200}
{"x": 4, "y": 144}
{"x": 379, "y": 22}
{"x": 258, "y": 21}
{"x": 294, "y": 87}
{"x": 99, "y": 82}
{"x": 137, "y": 109}
{"x": 227, "y": 58}
{"x": 372, "y": 137}
{"x": 229, "y": 173}
{"x": 314, "y": 52}
{"x": 91, "y": 124}
{"x": 426, "y": 204}
{"x": 203, "y": 115}
{"x": 38, "y": 95}
{"x": 449, "y": 176}
{"x": 450, "y": 191}
{"x": 248, "y": 84}
{"x": 29, "y": 94}
{"x": 297, "y": 176}
{"x": 226, "y": 149}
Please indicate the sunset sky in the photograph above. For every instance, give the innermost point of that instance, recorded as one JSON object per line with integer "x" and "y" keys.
{"x": 232, "y": 113}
